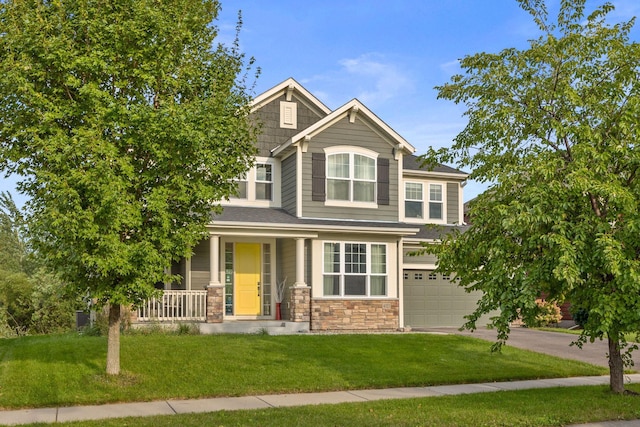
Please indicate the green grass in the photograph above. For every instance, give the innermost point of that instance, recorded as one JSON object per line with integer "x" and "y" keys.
{"x": 66, "y": 370}
{"x": 539, "y": 407}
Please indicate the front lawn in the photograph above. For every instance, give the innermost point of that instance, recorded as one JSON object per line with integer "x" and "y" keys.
{"x": 67, "y": 370}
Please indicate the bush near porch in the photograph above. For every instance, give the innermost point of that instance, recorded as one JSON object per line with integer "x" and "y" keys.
{"x": 46, "y": 371}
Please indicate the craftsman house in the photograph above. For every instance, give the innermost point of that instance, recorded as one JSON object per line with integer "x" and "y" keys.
{"x": 319, "y": 233}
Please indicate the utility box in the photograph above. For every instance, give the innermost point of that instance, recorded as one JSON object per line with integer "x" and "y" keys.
{"x": 83, "y": 320}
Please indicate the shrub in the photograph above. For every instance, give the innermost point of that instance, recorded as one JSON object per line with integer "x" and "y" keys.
{"x": 580, "y": 315}
{"x": 548, "y": 313}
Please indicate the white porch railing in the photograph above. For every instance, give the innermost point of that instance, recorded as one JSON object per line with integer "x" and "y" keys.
{"x": 175, "y": 306}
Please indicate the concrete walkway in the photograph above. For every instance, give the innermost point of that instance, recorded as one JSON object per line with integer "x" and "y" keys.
{"x": 171, "y": 407}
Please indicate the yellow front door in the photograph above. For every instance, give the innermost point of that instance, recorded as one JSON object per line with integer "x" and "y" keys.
{"x": 247, "y": 279}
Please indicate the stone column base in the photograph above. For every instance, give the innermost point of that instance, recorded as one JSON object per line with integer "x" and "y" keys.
{"x": 215, "y": 303}
{"x": 300, "y": 303}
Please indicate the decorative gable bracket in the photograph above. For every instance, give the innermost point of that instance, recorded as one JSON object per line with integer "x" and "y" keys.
{"x": 352, "y": 113}
{"x": 397, "y": 151}
{"x": 290, "y": 89}
{"x": 303, "y": 143}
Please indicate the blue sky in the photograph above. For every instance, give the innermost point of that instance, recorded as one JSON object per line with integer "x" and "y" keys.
{"x": 388, "y": 54}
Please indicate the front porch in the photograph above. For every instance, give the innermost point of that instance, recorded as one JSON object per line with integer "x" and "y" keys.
{"x": 206, "y": 308}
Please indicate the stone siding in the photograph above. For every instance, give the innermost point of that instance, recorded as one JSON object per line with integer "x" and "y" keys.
{"x": 300, "y": 303}
{"x": 215, "y": 303}
{"x": 345, "y": 315}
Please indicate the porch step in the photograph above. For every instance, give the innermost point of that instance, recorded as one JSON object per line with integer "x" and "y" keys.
{"x": 270, "y": 327}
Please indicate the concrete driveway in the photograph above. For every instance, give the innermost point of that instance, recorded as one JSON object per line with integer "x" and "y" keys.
{"x": 553, "y": 343}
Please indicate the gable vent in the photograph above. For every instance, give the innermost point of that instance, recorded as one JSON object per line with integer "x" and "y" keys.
{"x": 288, "y": 115}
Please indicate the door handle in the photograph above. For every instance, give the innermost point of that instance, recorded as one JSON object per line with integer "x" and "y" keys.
{"x": 258, "y": 288}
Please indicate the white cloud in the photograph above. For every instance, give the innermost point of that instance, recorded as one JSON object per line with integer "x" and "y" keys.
{"x": 377, "y": 79}
{"x": 451, "y": 67}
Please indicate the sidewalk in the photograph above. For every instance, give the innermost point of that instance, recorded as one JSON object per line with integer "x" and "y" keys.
{"x": 171, "y": 407}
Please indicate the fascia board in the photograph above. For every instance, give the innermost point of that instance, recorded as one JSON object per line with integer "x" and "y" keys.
{"x": 273, "y": 93}
{"x": 418, "y": 242}
{"x": 432, "y": 174}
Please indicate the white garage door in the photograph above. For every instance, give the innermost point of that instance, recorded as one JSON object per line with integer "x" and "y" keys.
{"x": 432, "y": 300}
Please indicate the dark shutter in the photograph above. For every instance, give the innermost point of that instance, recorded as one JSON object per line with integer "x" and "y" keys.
{"x": 383, "y": 181}
{"x": 318, "y": 177}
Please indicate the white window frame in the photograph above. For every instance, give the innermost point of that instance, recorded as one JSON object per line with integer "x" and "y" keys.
{"x": 268, "y": 182}
{"x": 368, "y": 274}
{"x": 352, "y": 152}
{"x": 251, "y": 179}
{"x": 426, "y": 200}
{"x": 443, "y": 196}
{"x": 420, "y": 199}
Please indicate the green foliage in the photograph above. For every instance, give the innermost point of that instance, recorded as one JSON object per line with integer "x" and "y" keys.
{"x": 32, "y": 300}
{"x": 34, "y": 304}
{"x": 549, "y": 313}
{"x": 554, "y": 129}
{"x": 13, "y": 250}
{"x": 154, "y": 328}
{"x": 127, "y": 123}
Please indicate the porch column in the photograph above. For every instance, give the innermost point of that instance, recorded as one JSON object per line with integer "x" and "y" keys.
{"x": 214, "y": 260}
{"x": 299, "y": 262}
{"x": 300, "y": 295}
{"x": 215, "y": 289}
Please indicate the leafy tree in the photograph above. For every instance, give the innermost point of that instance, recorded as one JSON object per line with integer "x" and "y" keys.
{"x": 127, "y": 124}
{"x": 13, "y": 248}
{"x": 554, "y": 128}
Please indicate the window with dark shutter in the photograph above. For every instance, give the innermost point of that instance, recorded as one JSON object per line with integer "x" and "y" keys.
{"x": 383, "y": 181}
{"x": 318, "y": 193}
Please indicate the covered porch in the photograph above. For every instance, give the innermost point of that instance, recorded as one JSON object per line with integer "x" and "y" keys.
{"x": 239, "y": 281}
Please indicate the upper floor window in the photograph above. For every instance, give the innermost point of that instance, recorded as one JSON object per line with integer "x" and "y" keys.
{"x": 413, "y": 200}
{"x": 436, "y": 204}
{"x": 242, "y": 188}
{"x": 351, "y": 177}
{"x": 424, "y": 202}
{"x": 259, "y": 184}
{"x": 264, "y": 181}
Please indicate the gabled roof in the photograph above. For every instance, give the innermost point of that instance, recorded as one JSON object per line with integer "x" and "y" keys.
{"x": 412, "y": 164}
{"x": 288, "y": 87}
{"x": 352, "y": 109}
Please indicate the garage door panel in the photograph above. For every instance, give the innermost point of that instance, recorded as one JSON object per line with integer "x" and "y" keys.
{"x": 431, "y": 301}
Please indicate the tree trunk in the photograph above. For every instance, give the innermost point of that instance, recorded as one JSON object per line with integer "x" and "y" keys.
{"x": 616, "y": 366}
{"x": 113, "y": 340}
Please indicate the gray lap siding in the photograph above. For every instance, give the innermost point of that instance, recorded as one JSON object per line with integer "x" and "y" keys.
{"x": 355, "y": 135}
{"x": 453, "y": 203}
